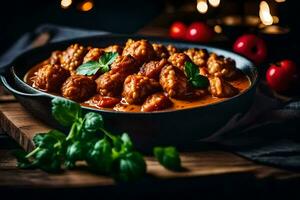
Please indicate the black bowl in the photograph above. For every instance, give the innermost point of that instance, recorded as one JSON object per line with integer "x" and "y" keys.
{"x": 146, "y": 129}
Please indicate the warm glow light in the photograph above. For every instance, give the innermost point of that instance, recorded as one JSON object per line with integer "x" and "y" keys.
{"x": 218, "y": 29}
{"x": 280, "y": 1}
{"x": 275, "y": 19}
{"x": 214, "y": 3}
{"x": 202, "y": 6}
{"x": 264, "y": 13}
{"x": 86, "y": 6}
{"x": 65, "y": 3}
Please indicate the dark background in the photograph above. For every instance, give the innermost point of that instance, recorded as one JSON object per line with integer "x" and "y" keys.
{"x": 128, "y": 16}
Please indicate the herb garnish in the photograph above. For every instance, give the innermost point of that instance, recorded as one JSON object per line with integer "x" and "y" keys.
{"x": 168, "y": 157}
{"x": 92, "y": 67}
{"x": 89, "y": 141}
{"x": 194, "y": 77}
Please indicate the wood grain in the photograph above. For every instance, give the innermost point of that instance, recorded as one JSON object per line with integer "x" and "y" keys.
{"x": 197, "y": 165}
{"x": 21, "y": 126}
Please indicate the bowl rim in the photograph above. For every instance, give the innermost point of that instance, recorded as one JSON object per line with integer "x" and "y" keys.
{"x": 253, "y": 83}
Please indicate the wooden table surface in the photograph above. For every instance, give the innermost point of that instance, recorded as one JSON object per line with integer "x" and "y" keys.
{"x": 207, "y": 166}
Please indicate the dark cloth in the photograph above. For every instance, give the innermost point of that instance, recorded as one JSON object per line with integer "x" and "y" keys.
{"x": 268, "y": 133}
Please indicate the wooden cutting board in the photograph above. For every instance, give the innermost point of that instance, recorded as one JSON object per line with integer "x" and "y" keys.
{"x": 21, "y": 126}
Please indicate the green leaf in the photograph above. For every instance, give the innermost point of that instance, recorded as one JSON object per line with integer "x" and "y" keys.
{"x": 127, "y": 143}
{"x": 59, "y": 136}
{"x": 93, "y": 122}
{"x": 44, "y": 155}
{"x": 65, "y": 111}
{"x": 200, "y": 81}
{"x": 117, "y": 143}
{"x": 48, "y": 159}
{"x": 168, "y": 157}
{"x": 129, "y": 167}
{"x": 76, "y": 131}
{"x": 194, "y": 76}
{"x": 92, "y": 67}
{"x": 108, "y": 58}
{"x": 22, "y": 161}
{"x": 89, "y": 68}
{"x": 75, "y": 152}
{"x": 48, "y": 139}
{"x": 54, "y": 166}
{"x": 99, "y": 157}
{"x": 38, "y": 139}
{"x": 44, "y": 140}
{"x": 190, "y": 70}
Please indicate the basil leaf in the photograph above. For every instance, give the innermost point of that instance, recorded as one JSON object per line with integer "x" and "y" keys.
{"x": 130, "y": 167}
{"x": 92, "y": 67}
{"x": 50, "y": 138}
{"x": 65, "y": 111}
{"x": 194, "y": 76}
{"x": 127, "y": 143}
{"x": 190, "y": 70}
{"x": 168, "y": 157}
{"x": 59, "y": 136}
{"x": 108, "y": 58}
{"x": 75, "y": 152}
{"x": 22, "y": 161}
{"x": 99, "y": 157}
{"x": 200, "y": 81}
{"x": 38, "y": 139}
{"x": 92, "y": 122}
{"x": 89, "y": 68}
{"x": 44, "y": 141}
{"x": 104, "y": 68}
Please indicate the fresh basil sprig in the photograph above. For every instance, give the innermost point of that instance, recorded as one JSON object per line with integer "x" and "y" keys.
{"x": 89, "y": 141}
{"x": 194, "y": 76}
{"x": 92, "y": 67}
{"x": 168, "y": 157}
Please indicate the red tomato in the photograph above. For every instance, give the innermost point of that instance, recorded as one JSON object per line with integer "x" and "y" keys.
{"x": 177, "y": 30}
{"x": 283, "y": 76}
{"x": 199, "y": 32}
{"x": 252, "y": 47}
{"x": 103, "y": 101}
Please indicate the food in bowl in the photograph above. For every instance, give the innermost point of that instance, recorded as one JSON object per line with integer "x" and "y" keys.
{"x": 138, "y": 76}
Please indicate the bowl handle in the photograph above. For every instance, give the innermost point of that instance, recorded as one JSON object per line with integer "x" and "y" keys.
{"x": 17, "y": 92}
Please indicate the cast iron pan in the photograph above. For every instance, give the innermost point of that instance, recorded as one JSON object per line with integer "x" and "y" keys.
{"x": 163, "y": 127}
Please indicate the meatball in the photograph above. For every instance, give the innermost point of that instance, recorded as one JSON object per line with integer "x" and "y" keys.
{"x": 93, "y": 55}
{"x": 203, "y": 71}
{"x": 103, "y": 101}
{"x": 141, "y": 50}
{"x": 55, "y": 58}
{"x": 125, "y": 64}
{"x": 220, "y": 66}
{"x": 220, "y": 88}
{"x": 198, "y": 56}
{"x": 171, "y": 49}
{"x": 78, "y": 88}
{"x": 157, "y": 101}
{"x": 161, "y": 51}
{"x": 50, "y": 78}
{"x": 114, "y": 48}
{"x": 152, "y": 69}
{"x": 137, "y": 87}
{"x": 111, "y": 84}
{"x": 72, "y": 57}
{"x": 174, "y": 82}
{"x": 178, "y": 60}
